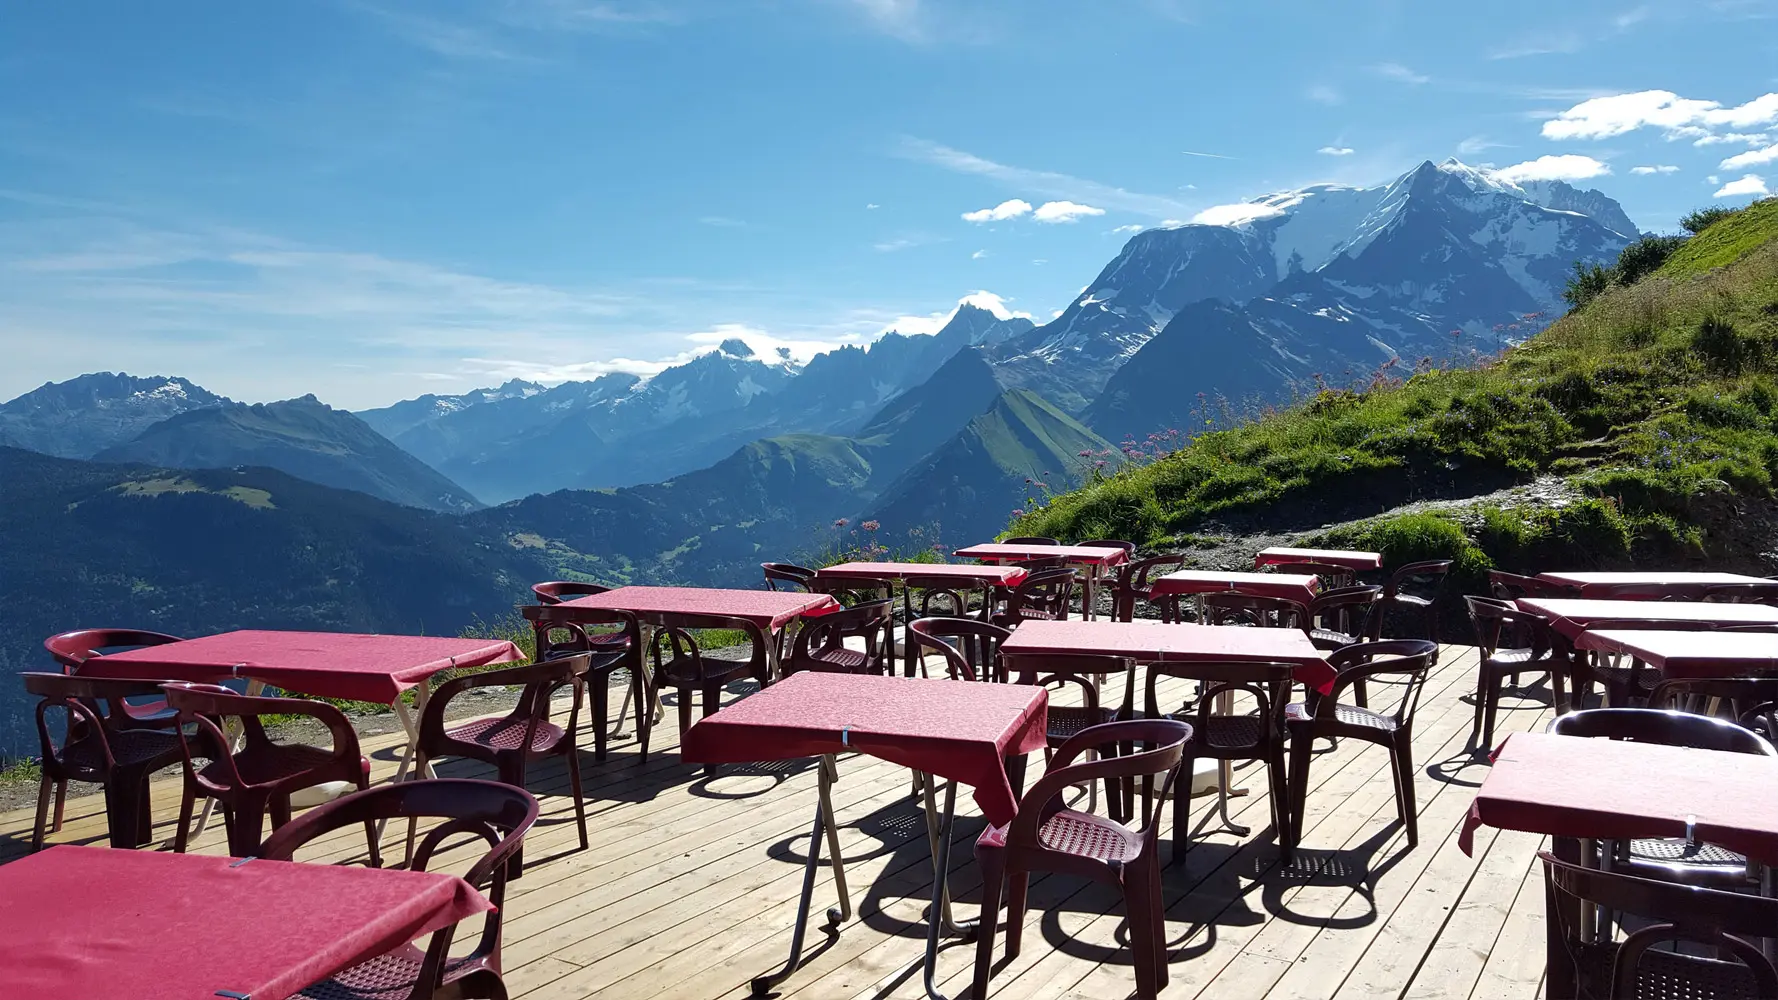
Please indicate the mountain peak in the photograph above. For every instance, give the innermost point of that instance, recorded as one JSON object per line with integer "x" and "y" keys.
{"x": 735, "y": 347}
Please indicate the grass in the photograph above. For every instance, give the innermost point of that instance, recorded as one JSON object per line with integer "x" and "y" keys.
{"x": 1726, "y": 241}
{"x": 1651, "y": 400}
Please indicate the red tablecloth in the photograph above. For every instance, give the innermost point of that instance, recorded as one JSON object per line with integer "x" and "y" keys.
{"x": 1691, "y": 654}
{"x": 1000, "y": 552}
{"x": 1150, "y": 643}
{"x": 324, "y": 664}
{"x": 958, "y": 730}
{"x": 1658, "y": 583}
{"x": 1005, "y": 576}
{"x": 1280, "y": 556}
{"x": 1289, "y": 586}
{"x": 1567, "y": 786}
{"x": 1569, "y": 616}
{"x": 89, "y": 923}
{"x": 769, "y": 609}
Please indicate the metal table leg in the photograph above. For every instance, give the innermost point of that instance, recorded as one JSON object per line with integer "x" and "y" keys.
{"x": 836, "y": 915}
{"x": 939, "y": 916}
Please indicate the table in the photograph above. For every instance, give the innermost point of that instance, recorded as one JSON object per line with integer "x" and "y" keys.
{"x": 1573, "y": 788}
{"x": 376, "y": 668}
{"x": 969, "y": 577}
{"x": 1097, "y": 559}
{"x": 1570, "y": 616}
{"x": 699, "y": 607}
{"x": 962, "y": 731}
{"x": 1658, "y": 583}
{"x": 1690, "y": 654}
{"x": 148, "y": 925}
{"x": 1351, "y": 559}
{"x": 1288, "y": 586}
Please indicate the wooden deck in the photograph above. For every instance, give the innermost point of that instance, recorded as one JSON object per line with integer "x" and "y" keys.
{"x": 690, "y": 885}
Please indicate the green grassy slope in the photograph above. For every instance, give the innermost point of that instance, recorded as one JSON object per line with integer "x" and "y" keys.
{"x": 1726, "y": 241}
{"x": 1659, "y": 401}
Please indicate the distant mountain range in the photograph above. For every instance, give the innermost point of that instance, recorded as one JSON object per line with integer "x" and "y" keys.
{"x": 83, "y": 416}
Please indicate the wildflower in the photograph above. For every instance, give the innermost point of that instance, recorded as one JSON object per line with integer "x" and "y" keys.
{"x": 940, "y": 549}
{"x": 870, "y": 526}
{"x": 1086, "y": 453}
{"x": 1018, "y": 513}
{"x": 840, "y": 522}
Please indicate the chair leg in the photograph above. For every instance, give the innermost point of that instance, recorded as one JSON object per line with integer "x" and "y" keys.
{"x": 1280, "y": 792}
{"x": 1141, "y": 911}
{"x": 246, "y": 827}
{"x": 123, "y": 802}
{"x": 44, "y": 789}
{"x": 1302, "y": 743}
{"x": 1182, "y": 813}
{"x": 370, "y": 830}
{"x": 1558, "y": 696}
{"x": 993, "y": 865}
{"x": 61, "y": 800}
{"x": 579, "y": 794}
{"x": 601, "y": 692}
{"x": 182, "y": 835}
{"x": 144, "y": 815}
{"x": 1018, "y": 891}
{"x": 1491, "y": 707}
{"x": 1403, "y": 752}
{"x": 644, "y": 698}
{"x": 684, "y": 700}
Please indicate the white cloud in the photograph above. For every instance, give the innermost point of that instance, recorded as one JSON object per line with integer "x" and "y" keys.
{"x": 1752, "y": 157}
{"x": 1400, "y": 73}
{"x": 1335, "y": 151}
{"x": 1566, "y": 167}
{"x": 1207, "y": 156}
{"x": 1041, "y": 182}
{"x": 1321, "y": 93}
{"x": 1617, "y": 114}
{"x": 1752, "y": 184}
{"x": 1064, "y": 211}
{"x": 1664, "y": 168}
{"x": 1127, "y": 229}
{"x": 1235, "y": 215}
{"x": 721, "y": 221}
{"x": 1745, "y": 138}
{"x": 871, "y": 206}
{"x": 934, "y": 322}
{"x": 1009, "y": 209}
{"x": 1540, "y": 44}
{"x": 1476, "y": 144}
{"x": 978, "y": 255}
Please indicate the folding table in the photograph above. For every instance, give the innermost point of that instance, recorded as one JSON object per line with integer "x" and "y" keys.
{"x": 1351, "y": 559}
{"x": 1288, "y": 586}
{"x": 961, "y": 731}
{"x": 1658, "y": 583}
{"x": 100, "y": 924}
{"x": 986, "y": 578}
{"x": 1577, "y": 789}
{"x": 1096, "y": 559}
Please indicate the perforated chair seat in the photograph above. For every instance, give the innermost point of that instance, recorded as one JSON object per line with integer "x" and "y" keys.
{"x": 1619, "y": 677}
{"x": 1523, "y": 657}
{"x": 506, "y": 733}
{"x": 840, "y": 660}
{"x": 259, "y": 765}
{"x": 1328, "y": 639}
{"x": 387, "y": 977}
{"x": 1667, "y": 975}
{"x": 1671, "y": 850}
{"x": 1088, "y": 836}
{"x": 1065, "y": 721}
{"x": 1351, "y": 715}
{"x": 128, "y": 746}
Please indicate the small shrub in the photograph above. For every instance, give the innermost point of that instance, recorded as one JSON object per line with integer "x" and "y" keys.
{"x": 1721, "y": 347}
{"x": 1585, "y": 284}
{"x": 1697, "y": 221}
{"x": 1644, "y": 257}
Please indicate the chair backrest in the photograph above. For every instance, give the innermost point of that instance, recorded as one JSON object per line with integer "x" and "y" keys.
{"x": 1133, "y": 581}
{"x": 1500, "y": 625}
{"x": 1352, "y": 610}
{"x": 538, "y": 683}
{"x": 1030, "y": 540}
{"x": 71, "y": 649}
{"x": 972, "y": 652}
{"x": 557, "y": 635}
{"x": 202, "y": 707}
{"x": 1511, "y": 586}
{"x": 1437, "y": 571}
{"x": 678, "y": 649}
{"x": 1235, "y": 608}
{"x": 500, "y": 814}
{"x": 1331, "y": 576}
{"x": 1110, "y": 543}
{"x": 790, "y": 575}
{"x": 1043, "y": 594}
{"x": 1661, "y": 725}
{"x": 825, "y": 634}
{"x": 557, "y": 591}
{"x": 936, "y": 590}
{"x": 1743, "y": 593}
{"x": 1408, "y": 659}
{"x": 1726, "y": 922}
{"x": 1267, "y": 683}
{"x": 1161, "y": 744}
{"x": 94, "y": 707}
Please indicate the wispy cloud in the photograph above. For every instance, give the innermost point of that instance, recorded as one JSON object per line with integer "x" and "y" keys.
{"x": 906, "y": 241}
{"x": 1336, "y": 151}
{"x": 1749, "y": 184}
{"x": 978, "y": 255}
{"x": 720, "y": 221}
{"x": 1539, "y": 44}
{"x": 1046, "y": 183}
{"x": 1012, "y": 208}
{"x": 1237, "y": 214}
{"x": 1662, "y": 168}
{"x": 1751, "y": 158}
{"x": 1322, "y": 93}
{"x": 1566, "y": 167}
{"x": 1476, "y": 144}
{"x": 1207, "y": 156}
{"x": 1400, "y": 74}
{"x": 516, "y": 29}
{"x": 1132, "y": 228}
{"x": 1064, "y": 211}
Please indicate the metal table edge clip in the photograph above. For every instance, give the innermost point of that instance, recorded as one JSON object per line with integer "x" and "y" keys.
{"x": 237, "y": 864}
{"x": 234, "y": 994}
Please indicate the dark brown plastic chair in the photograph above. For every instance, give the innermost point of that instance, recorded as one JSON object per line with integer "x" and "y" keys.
{"x": 1727, "y": 924}
{"x": 617, "y": 649}
{"x": 1255, "y": 736}
{"x": 72, "y": 649}
{"x": 1506, "y": 586}
{"x": 557, "y": 591}
{"x": 1101, "y": 578}
{"x": 103, "y": 745}
{"x": 1079, "y": 671}
{"x": 499, "y": 814}
{"x": 679, "y": 663}
{"x": 1043, "y": 595}
{"x": 260, "y": 776}
{"x": 821, "y": 642}
{"x": 787, "y": 576}
{"x": 1134, "y": 580}
{"x": 1110, "y": 543}
{"x": 1509, "y": 643}
{"x": 946, "y": 592}
{"x": 1671, "y": 858}
{"x": 1406, "y": 660}
{"x": 970, "y": 648}
{"x": 1030, "y": 540}
{"x": 1345, "y": 615}
{"x": 1046, "y": 836}
{"x": 1234, "y": 608}
{"x": 1429, "y": 578}
{"x": 1625, "y": 686}
{"x": 511, "y": 742}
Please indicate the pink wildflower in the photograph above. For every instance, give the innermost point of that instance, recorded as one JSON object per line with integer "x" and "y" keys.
{"x": 870, "y": 526}
{"x": 840, "y": 522}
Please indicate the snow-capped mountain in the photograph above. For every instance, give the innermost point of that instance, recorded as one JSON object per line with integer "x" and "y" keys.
{"x": 83, "y": 416}
{"x": 391, "y": 421}
{"x": 1447, "y": 244}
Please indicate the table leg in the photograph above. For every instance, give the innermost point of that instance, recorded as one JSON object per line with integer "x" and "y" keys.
{"x": 254, "y": 690}
{"x": 938, "y": 918}
{"x": 830, "y": 773}
{"x": 763, "y": 985}
{"x": 1559, "y": 912}
{"x": 933, "y": 823}
{"x": 1225, "y": 776}
{"x": 422, "y": 692}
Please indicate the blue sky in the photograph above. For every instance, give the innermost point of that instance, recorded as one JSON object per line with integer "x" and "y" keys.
{"x": 370, "y": 200}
